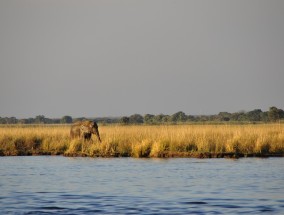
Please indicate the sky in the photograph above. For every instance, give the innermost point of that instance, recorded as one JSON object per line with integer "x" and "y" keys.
{"x": 98, "y": 58}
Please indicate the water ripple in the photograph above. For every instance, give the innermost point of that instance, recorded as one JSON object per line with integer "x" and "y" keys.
{"x": 58, "y": 185}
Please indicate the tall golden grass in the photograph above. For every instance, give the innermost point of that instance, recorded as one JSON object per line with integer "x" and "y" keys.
{"x": 147, "y": 141}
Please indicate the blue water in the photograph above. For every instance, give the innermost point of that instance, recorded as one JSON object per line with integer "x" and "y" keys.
{"x": 61, "y": 185}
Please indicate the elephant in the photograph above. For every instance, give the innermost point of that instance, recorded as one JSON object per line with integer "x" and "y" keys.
{"x": 84, "y": 129}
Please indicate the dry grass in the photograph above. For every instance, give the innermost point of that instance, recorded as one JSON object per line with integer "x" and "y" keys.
{"x": 147, "y": 141}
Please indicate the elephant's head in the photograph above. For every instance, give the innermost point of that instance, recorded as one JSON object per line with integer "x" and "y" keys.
{"x": 89, "y": 127}
{"x": 95, "y": 130}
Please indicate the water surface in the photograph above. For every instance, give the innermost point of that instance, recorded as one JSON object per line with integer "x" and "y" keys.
{"x": 61, "y": 185}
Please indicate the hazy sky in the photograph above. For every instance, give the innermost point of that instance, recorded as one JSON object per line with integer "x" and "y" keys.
{"x": 113, "y": 58}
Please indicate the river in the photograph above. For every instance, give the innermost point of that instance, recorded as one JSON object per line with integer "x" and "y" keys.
{"x": 62, "y": 185}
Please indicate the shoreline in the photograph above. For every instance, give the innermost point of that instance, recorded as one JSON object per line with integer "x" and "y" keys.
{"x": 201, "y": 155}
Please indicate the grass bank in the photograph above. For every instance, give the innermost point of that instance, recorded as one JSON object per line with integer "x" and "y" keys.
{"x": 200, "y": 141}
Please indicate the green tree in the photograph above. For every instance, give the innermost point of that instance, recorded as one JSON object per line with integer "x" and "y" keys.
{"x": 66, "y": 120}
{"x": 254, "y": 115}
{"x": 149, "y": 119}
{"x": 136, "y": 119}
{"x": 160, "y": 118}
{"x": 264, "y": 116}
{"x": 224, "y": 116}
{"x": 179, "y": 117}
{"x": 275, "y": 114}
{"x": 237, "y": 116}
{"x": 124, "y": 120}
{"x": 8, "y": 120}
{"x": 40, "y": 119}
{"x": 165, "y": 118}
{"x": 191, "y": 118}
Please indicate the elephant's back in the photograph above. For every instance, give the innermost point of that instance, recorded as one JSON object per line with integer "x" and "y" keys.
{"x": 75, "y": 129}
{"x": 78, "y": 123}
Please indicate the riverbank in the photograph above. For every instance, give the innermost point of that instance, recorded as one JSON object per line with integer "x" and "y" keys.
{"x": 198, "y": 141}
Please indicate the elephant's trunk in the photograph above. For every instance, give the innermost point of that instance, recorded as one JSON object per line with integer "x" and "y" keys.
{"x": 97, "y": 133}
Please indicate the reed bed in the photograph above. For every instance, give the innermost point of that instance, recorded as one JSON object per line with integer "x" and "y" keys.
{"x": 200, "y": 141}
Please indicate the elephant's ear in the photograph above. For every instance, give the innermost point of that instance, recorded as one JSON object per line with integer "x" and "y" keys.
{"x": 84, "y": 128}
{"x": 92, "y": 124}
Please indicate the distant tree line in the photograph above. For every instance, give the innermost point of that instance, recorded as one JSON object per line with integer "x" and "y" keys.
{"x": 41, "y": 119}
{"x": 272, "y": 115}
